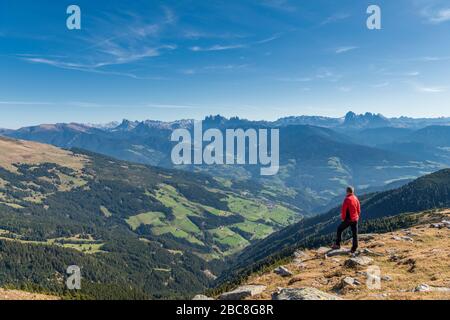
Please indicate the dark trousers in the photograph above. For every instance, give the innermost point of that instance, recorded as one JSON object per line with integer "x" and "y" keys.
{"x": 344, "y": 225}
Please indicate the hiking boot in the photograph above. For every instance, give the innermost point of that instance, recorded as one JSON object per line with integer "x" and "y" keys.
{"x": 335, "y": 247}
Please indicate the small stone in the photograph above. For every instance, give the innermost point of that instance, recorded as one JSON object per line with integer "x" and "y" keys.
{"x": 422, "y": 288}
{"x": 386, "y": 278}
{"x": 283, "y": 271}
{"x": 348, "y": 282}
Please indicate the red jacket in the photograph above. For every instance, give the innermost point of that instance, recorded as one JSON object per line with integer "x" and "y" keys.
{"x": 351, "y": 207}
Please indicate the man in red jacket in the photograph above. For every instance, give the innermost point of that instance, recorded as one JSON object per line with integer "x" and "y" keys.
{"x": 350, "y": 213}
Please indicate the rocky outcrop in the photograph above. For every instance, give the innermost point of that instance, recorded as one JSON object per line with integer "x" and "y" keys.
{"x": 303, "y": 294}
{"x": 243, "y": 292}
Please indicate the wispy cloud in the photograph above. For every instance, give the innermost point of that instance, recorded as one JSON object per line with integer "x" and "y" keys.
{"x": 25, "y": 103}
{"x": 90, "y": 104}
{"x": 223, "y": 47}
{"x": 218, "y": 47}
{"x": 327, "y": 74}
{"x": 339, "y": 16}
{"x": 136, "y": 41}
{"x": 431, "y": 89}
{"x": 436, "y": 16}
{"x": 282, "y": 5}
{"x": 428, "y": 89}
{"x": 340, "y": 50}
{"x": 432, "y": 59}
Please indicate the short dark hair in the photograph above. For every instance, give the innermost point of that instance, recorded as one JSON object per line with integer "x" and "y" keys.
{"x": 350, "y": 189}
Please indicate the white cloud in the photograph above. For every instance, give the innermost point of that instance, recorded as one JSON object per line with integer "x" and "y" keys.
{"x": 340, "y": 50}
{"x": 437, "y": 16}
{"x": 335, "y": 18}
{"x": 429, "y": 89}
{"x": 218, "y": 47}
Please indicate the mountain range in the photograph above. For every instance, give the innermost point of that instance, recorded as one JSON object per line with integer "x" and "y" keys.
{"x": 319, "y": 156}
{"x": 108, "y": 198}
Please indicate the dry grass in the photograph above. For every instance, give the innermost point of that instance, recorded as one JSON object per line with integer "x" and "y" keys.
{"x": 26, "y": 152}
{"x": 21, "y": 295}
{"x": 408, "y": 263}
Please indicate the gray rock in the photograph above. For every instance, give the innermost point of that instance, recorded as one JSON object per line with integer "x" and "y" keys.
{"x": 303, "y": 294}
{"x": 338, "y": 252}
{"x": 358, "y": 261}
{"x": 369, "y": 252}
{"x": 242, "y": 292}
{"x": 349, "y": 282}
{"x": 386, "y": 278}
{"x": 441, "y": 225}
{"x": 406, "y": 238}
{"x": 426, "y": 288}
{"x": 201, "y": 297}
{"x": 283, "y": 271}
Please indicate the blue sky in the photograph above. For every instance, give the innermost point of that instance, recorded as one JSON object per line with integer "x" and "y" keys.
{"x": 257, "y": 59}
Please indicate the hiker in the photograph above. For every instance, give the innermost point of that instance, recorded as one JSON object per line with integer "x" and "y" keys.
{"x": 350, "y": 213}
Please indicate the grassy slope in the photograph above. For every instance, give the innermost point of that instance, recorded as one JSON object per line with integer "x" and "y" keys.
{"x": 429, "y": 253}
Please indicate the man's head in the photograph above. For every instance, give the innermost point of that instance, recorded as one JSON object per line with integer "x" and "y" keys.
{"x": 350, "y": 190}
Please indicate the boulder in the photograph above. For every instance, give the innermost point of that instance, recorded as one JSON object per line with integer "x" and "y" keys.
{"x": 242, "y": 292}
{"x": 358, "y": 261}
{"x": 303, "y": 294}
{"x": 283, "y": 271}
{"x": 201, "y": 297}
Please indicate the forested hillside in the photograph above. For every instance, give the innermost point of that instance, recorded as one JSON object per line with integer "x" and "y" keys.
{"x": 136, "y": 231}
